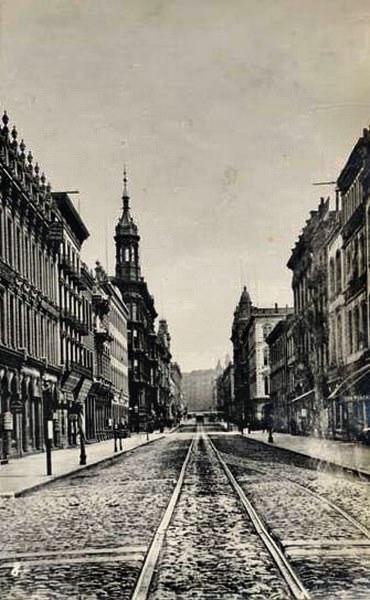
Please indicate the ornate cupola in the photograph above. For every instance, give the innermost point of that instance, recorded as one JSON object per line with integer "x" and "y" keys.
{"x": 127, "y": 242}
{"x": 245, "y": 304}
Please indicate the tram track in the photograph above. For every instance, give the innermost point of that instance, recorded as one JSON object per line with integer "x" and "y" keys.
{"x": 362, "y": 529}
{"x": 286, "y": 571}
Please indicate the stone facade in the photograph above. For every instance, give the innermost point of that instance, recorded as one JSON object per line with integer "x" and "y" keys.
{"x": 226, "y": 394}
{"x": 251, "y": 326}
{"x": 349, "y": 287}
{"x": 30, "y": 361}
{"x": 57, "y": 373}
{"x": 308, "y": 263}
{"x": 280, "y": 373}
{"x": 178, "y": 407}
{"x": 200, "y": 389}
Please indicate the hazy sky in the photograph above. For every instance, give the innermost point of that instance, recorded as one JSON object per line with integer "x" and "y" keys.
{"x": 225, "y": 111}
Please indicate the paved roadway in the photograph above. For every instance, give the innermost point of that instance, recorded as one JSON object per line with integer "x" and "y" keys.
{"x": 85, "y": 537}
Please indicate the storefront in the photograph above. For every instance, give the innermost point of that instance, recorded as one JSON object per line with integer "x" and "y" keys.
{"x": 350, "y": 405}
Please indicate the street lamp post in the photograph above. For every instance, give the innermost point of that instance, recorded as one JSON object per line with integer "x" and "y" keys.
{"x": 81, "y": 428}
{"x": 49, "y": 425}
{"x": 115, "y": 433}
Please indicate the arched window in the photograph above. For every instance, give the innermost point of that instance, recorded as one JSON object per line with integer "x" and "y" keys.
{"x": 127, "y": 254}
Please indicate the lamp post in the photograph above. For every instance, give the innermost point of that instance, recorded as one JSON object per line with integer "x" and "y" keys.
{"x": 81, "y": 428}
{"x": 49, "y": 429}
{"x": 115, "y": 433}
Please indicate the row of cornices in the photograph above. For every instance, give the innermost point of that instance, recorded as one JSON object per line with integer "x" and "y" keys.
{"x": 27, "y": 175}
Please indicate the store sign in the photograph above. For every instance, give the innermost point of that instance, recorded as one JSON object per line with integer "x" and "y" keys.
{"x": 16, "y": 405}
{"x": 7, "y": 421}
{"x": 55, "y": 233}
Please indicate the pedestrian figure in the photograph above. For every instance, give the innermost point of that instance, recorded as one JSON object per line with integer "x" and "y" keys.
{"x": 270, "y": 439}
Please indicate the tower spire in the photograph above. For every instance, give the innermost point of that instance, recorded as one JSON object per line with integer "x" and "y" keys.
{"x": 125, "y": 196}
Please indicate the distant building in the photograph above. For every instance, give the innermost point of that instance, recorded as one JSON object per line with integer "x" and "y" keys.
{"x": 278, "y": 341}
{"x": 200, "y": 389}
{"x": 226, "y": 394}
{"x": 164, "y": 373}
{"x": 177, "y": 406}
{"x": 251, "y": 326}
{"x": 241, "y": 319}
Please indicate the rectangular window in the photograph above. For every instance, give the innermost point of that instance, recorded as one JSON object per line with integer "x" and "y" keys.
{"x": 40, "y": 278}
{"x": 26, "y": 256}
{"x": 11, "y": 321}
{"x": 10, "y": 241}
{"x": 1, "y": 234}
{"x": 18, "y": 249}
{"x": 33, "y": 265}
{"x": 350, "y": 332}
{"x": 28, "y": 328}
{"x": 20, "y": 324}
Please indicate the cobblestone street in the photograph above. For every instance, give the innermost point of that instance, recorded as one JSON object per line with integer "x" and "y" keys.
{"x": 86, "y": 537}
{"x": 329, "y": 552}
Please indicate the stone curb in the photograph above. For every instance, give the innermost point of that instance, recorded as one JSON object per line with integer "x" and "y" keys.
{"x": 330, "y": 463}
{"x": 100, "y": 461}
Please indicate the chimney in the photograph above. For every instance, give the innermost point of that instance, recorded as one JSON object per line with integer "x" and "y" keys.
{"x": 276, "y": 307}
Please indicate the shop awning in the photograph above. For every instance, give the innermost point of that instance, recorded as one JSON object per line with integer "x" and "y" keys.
{"x": 70, "y": 383}
{"x": 84, "y": 390}
{"x": 351, "y": 380}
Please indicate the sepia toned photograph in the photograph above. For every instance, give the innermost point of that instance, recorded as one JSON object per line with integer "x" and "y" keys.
{"x": 184, "y": 299}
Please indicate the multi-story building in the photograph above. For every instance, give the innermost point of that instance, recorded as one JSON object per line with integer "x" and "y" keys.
{"x": 199, "y": 389}
{"x": 349, "y": 287}
{"x": 29, "y": 299}
{"x": 262, "y": 320}
{"x": 308, "y": 262}
{"x": 164, "y": 372}
{"x": 226, "y": 394}
{"x": 118, "y": 317}
{"x": 177, "y": 406}
{"x": 241, "y": 319}
{"x": 75, "y": 295}
{"x": 251, "y": 326}
{"x": 278, "y": 342}
{"x": 109, "y": 398}
{"x": 142, "y": 339}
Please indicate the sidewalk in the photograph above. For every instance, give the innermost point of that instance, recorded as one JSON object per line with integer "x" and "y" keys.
{"x": 23, "y": 474}
{"x": 349, "y": 455}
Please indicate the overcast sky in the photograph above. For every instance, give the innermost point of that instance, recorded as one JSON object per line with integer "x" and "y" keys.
{"x": 225, "y": 111}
